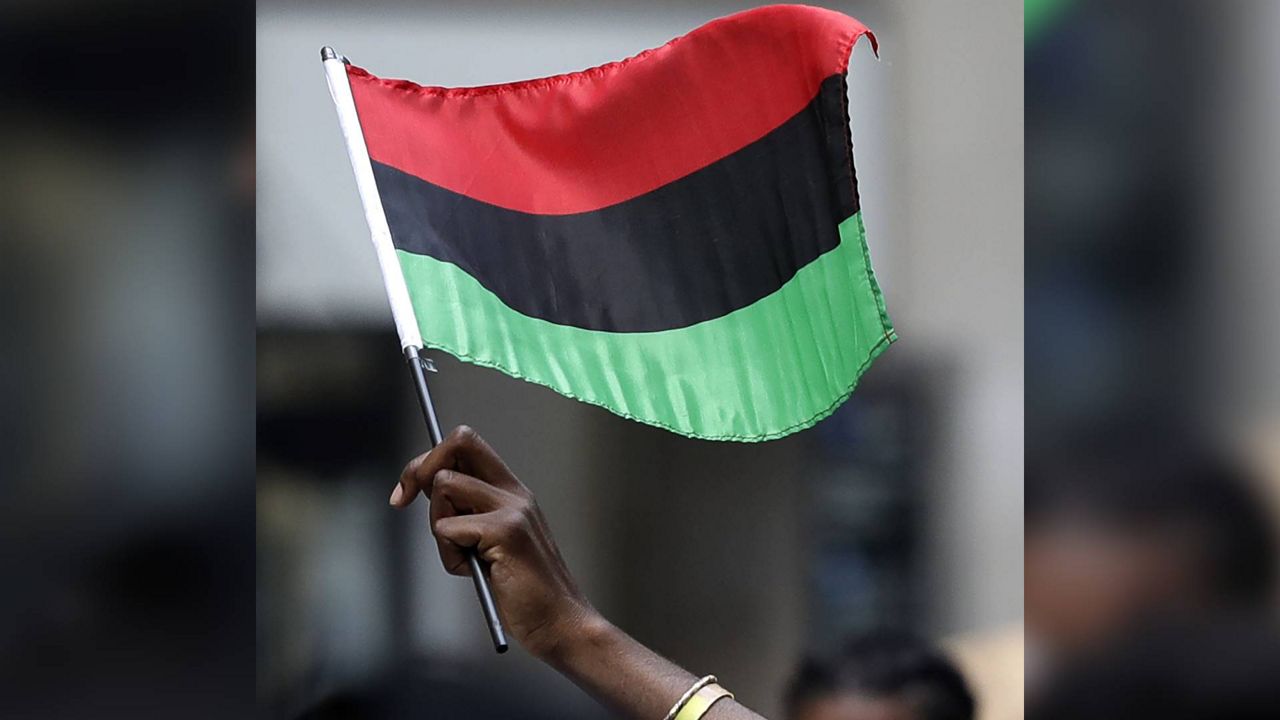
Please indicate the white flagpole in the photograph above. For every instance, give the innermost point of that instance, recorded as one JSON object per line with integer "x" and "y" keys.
{"x": 335, "y": 70}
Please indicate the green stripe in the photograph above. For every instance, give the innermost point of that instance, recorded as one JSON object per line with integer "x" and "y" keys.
{"x": 767, "y": 370}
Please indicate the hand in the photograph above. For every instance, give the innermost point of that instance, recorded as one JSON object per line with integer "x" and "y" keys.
{"x": 478, "y": 503}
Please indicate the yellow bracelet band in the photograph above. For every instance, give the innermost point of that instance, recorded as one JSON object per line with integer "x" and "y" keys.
{"x": 688, "y": 694}
{"x": 701, "y": 702}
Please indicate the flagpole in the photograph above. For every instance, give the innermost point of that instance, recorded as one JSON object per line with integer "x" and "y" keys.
{"x": 397, "y": 293}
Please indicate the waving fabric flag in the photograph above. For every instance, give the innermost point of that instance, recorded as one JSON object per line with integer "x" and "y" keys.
{"x": 676, "y": 237}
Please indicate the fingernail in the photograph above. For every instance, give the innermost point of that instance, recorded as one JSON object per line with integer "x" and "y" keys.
{"x": 396, "y": 494}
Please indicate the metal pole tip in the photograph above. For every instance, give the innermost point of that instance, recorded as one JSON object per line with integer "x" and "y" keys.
{"x": 327, "y": 53}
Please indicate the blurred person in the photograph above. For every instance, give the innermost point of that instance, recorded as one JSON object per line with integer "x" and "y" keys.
{"x": 1219, "y": 668}
{"x": 1133, "y": 539}
{"x": 882, "y": 676}
{"x": 477, "y": 502}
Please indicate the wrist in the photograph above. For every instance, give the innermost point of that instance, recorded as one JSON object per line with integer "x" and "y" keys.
{"x": 580, "y": 637}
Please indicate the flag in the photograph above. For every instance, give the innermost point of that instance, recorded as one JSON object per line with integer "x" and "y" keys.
{"x": 675, "y": 237}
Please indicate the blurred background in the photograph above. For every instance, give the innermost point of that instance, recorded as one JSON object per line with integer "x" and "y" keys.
{"x": 902, "y": 510}
{"x": 1152, "y": 347}
{"x": 126, "y": 360}
{"x": 127, "y": 363}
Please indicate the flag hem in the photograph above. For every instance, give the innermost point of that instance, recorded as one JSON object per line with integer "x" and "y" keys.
{"x": 848, "y": 38}
{"x": 890, "y": 337}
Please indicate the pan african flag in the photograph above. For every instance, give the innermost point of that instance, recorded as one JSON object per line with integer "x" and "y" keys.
{"x": 676, "y": 237}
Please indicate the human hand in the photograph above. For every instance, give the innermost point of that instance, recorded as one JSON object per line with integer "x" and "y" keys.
{"x": 478, "y": 503}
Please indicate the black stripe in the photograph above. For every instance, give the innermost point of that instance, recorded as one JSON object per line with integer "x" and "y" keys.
{"x": 695, "y": 249}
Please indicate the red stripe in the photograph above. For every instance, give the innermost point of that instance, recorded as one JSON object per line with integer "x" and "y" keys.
{"x": 578, "y": 142}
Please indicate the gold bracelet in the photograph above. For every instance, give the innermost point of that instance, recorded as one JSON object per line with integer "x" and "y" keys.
{"x": 701, "y": 683}
{"x": 701, "y": 702}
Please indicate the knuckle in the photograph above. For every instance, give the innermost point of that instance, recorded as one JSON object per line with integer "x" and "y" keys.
{"x": 410, "y": 472}
{"x": 526, "y": 509}
{"x": 440, "y": 528}
{"x": 513, "y": 526}
{"x": 413, "y": 473}
{"x": 523, "y": 523}
{"x": 465, "y": 435}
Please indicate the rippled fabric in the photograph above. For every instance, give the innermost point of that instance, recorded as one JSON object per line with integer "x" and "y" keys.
{"x": 581, "y": 141}
{"x": 762, "y": 372}
{"x": 676, "y": 237}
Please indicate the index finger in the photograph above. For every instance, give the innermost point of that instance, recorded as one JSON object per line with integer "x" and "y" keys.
{"x": 463, "y": 449}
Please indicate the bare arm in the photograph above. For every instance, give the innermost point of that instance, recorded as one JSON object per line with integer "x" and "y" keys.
{"x": 477, "y": 502}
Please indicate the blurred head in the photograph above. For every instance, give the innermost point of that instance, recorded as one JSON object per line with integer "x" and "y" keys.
{"x": 1137, "y": 537}
{"x": 885, "y": 676}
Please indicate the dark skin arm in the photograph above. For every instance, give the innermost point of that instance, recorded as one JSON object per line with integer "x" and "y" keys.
{"x": 477, "y": 502}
